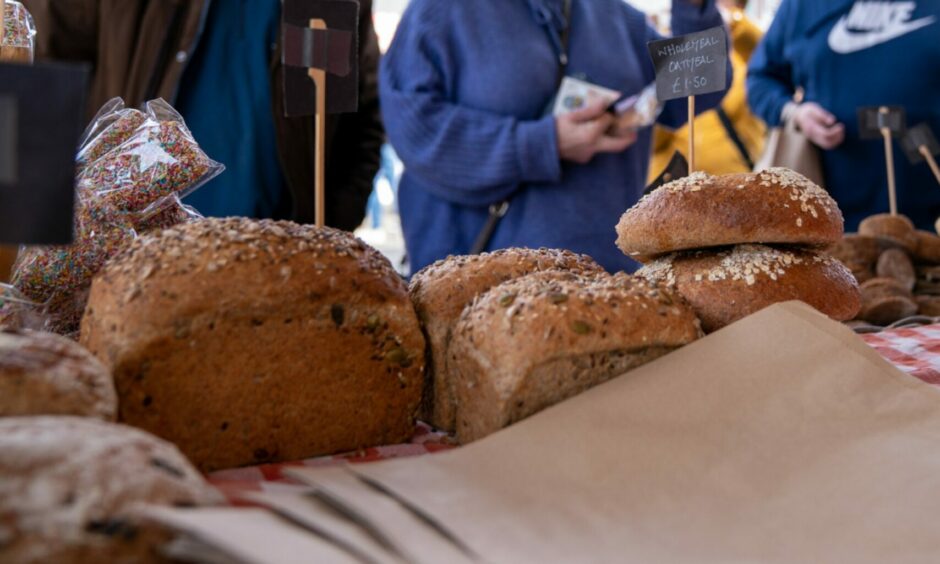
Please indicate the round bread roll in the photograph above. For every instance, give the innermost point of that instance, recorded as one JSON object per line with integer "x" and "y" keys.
{"x": 895, "y": 228}
{"x": 894, "y": 263}
{"x": 699, "y": 211}
{"x": 878, "y": 288}
{"x": 928, "y": 305}
{"x": 534, "y": 341}
{"x": 442, "y": 290}
{"x": 928, "y": 248}
{"x": 244, "y": 342}
{"x": 887, "y": 310}
{"x": 733, "y": 283}
{"x": 47, "y": 374}
{"x": 68, "y": 485}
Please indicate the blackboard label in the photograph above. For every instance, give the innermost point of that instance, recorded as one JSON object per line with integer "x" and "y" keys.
{"x": 871, "y": 120}
{"x": 334, "y": 50}
{"x": 689, "y": 65}
{"x": 917, "y": 137}
{"x": 42, "y": 113}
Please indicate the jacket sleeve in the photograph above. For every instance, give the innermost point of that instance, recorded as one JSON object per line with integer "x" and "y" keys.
{"x": 66, "y": 29}
{"x": 358, "y": 139}
{"x": 463, "y": 155}
{"x": 770, "y": 76}
{"x": 688, "y": 18}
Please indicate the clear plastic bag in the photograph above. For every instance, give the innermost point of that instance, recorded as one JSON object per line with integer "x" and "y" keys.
{"x": 17, "y": 312}
{"x": 113, "y": 125}
{"x": 140, "y": 176}
{"x": 174, "y": 213}
{"x": 132, "y": 182}
{"x": 17, "y": 38}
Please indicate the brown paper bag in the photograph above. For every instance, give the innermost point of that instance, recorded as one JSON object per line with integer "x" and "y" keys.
{"x": 782, "y": 438}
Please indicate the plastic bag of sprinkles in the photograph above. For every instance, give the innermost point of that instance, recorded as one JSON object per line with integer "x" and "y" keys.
{"x": 113, "y": 125}
{"x": 17, "y": 35}
{"x": 59, "y": 277}
{"x": 17, "y": 312}
{"x": 139, "y": 177}
{"x": 174, "y": 213}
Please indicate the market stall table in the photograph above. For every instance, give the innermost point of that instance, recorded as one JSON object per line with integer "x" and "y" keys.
{"x": 915, "y": 351}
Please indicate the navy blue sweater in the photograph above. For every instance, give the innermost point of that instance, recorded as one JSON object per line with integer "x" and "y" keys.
{"x": 464, "y": 87}
{"x": 847, "y": 54}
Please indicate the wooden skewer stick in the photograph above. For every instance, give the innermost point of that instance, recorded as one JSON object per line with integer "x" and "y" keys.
{"x": 931, "y": 161}
{"x": 319, "y": 78}
{"x": 691, "y": 134}
{"x": 889, "y": 158}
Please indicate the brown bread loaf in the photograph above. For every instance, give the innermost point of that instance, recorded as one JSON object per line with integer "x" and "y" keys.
{"x": 68, "y": 486}
{"x": 442, "y": 290}
{"x": 859, "y": 253}
{"x": 887, "y": 310}
{"x": 878, "y": 288}
{"x": 47, "y": 374}
{"x": 928, "y": 248}
{"x": 248, "y": 341}
{"x": 895, "y": 228}
{"x": 534, "y": 341}
{"x": 699, "y": 211}
{"x": 734, "y": 283}
{"x": 894, "y": 263}
{"x": 928, "y": 305}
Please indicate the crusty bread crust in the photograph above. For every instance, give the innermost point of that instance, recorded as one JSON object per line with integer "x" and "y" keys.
{"x": 47, "y": 374}
{"x": 728, "y": 285}
{"x": 897, "y": 229}
{"x": 442, "y": 290}
{"x": 68, "y": 486}
{"x": 255, "y": 341}
{"x": 537, "y": 340}
{"x": 700, "y": 211}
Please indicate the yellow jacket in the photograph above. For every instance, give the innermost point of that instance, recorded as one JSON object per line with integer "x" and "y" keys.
{"x": 715, "y": 153}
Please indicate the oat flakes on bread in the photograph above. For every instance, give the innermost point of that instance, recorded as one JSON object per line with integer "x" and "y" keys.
{"x": 534, "y": 341}
{"x": 728, "y": 285}
{"x": 68, "y": 486}
{"x": 246, "y": 341}
{"x": 441, "y": 291}
{"x": 699, "y": 211}
{"x": 47, "y": 374}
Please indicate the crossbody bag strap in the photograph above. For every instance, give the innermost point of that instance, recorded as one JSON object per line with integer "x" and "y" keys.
{"x": 500, "y": 209}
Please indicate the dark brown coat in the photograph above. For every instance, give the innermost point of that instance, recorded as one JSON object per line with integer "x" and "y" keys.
{"x": 139, "y": 50}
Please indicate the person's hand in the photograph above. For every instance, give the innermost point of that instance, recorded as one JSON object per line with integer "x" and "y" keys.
{"x": 584, "y": 133}
{"x": 819, "y": 126}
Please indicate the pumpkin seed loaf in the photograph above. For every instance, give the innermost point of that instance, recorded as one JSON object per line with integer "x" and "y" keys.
{"x": 532, "y": 342}
{"x": 247, "y": 341}
{"x": 442, "y": 290}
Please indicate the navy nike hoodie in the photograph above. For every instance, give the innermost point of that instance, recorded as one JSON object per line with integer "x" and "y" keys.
{"x": 851, "y": 53}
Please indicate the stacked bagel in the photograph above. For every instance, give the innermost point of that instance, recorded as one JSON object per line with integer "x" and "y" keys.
{"x": 736, "y": 243}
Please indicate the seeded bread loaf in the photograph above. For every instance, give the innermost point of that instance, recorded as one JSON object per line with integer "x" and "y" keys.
{"x": 68, "y": 486}
{"x": 699, "y": 211}
{"x": 46, "y": 374}
{"x": 534, "y": 341}
{"x": 442, "y": 290}
{"x": 248, "y": 341}
{"x": 734, "y": 283}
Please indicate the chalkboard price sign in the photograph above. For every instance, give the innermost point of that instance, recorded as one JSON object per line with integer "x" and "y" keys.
{"x": 689, "y": 65}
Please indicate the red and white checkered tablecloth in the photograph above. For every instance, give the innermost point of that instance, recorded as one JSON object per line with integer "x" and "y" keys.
{"x": 914, "y": 350}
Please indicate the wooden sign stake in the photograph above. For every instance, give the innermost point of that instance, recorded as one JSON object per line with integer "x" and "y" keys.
{"x": 923, "y": 150}
{"x": 319, "y": 78}
{"x": 889, "y": 157}
{"x": 691, "y": 134}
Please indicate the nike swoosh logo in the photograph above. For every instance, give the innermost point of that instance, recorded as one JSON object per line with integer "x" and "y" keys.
{"x": 843, "y": 41}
